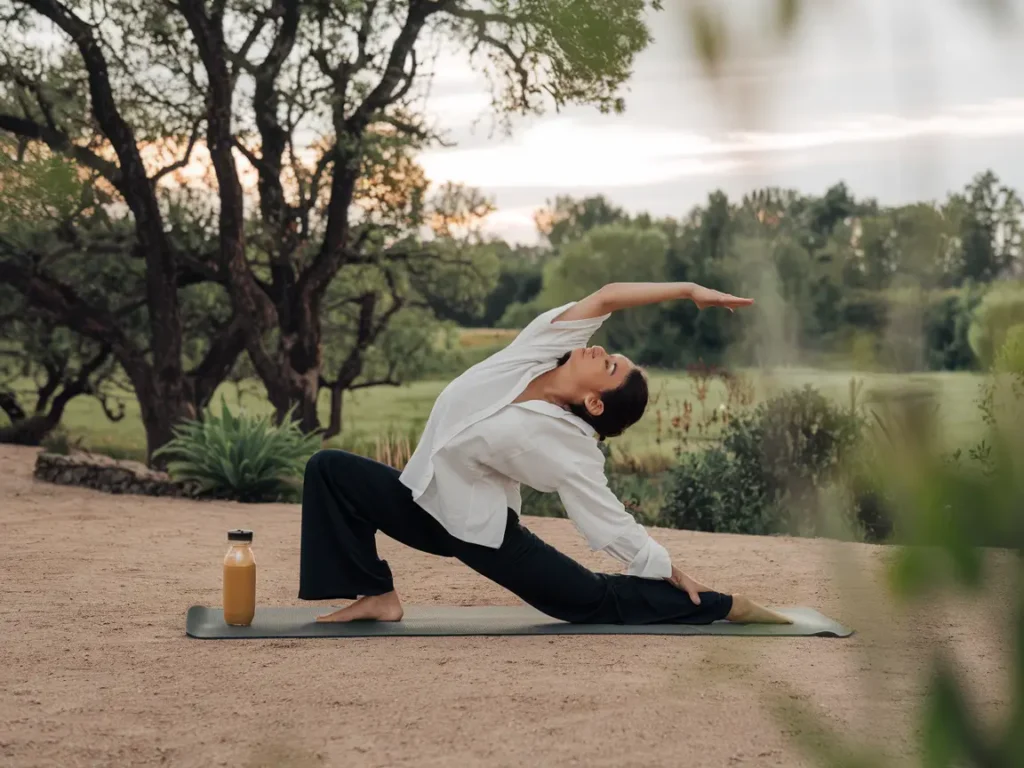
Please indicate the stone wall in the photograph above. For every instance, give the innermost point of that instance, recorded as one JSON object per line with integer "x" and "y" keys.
{"x": 102, "y": 473}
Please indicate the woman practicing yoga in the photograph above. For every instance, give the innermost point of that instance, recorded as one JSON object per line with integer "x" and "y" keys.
{"x": 531, "y": 413}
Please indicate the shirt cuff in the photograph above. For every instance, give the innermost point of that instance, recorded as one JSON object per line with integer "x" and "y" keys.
{"x": 651, "y": 562}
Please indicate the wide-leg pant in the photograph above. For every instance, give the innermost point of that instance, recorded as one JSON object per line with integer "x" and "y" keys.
{"x": 346, "y": 499}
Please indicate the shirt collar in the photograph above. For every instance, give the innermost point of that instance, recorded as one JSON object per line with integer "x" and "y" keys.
{"x": 543, "y": 406}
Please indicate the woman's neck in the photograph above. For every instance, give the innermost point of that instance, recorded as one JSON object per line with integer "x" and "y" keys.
{"x": 551, "y": 387}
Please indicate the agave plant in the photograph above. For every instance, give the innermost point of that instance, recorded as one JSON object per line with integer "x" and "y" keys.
{"x": 244, "y": 457}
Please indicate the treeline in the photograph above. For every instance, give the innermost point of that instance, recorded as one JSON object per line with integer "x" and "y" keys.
{"x": 926, "y": 286}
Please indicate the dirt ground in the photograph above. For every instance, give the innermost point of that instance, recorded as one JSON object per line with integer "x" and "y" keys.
{"x": 96, "y": 669}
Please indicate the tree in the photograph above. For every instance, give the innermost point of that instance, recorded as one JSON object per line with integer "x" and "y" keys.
{"x": 74, "y": 268}
{"x": 57, "y": 365}
{"x": 519, "y": 280}
{"x": 991, "y": 229}
{"x": 380, "y": 326}
{"x": 567, "y": 219}
{"x": 700, "y": 251}
{"x": 607, "y": 254}
{"x": 306, "y": 99}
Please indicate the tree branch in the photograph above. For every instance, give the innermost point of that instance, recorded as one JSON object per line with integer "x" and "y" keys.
{"x": 480, "y": 20}
{"x": 240, "y": 61}
{"x": 452, "y": 8}
{"x": 325, "y": 265}
{"x": 219, "y": 359}
{"x": 9, "y": 405}
{"x": 363, "y": 35}
{"x": 193, "y": 138}
{"x": 246, "y": 295}
{"x": 383, "y": 93}
{"x": 60, "y": 142}
{"x": 389, "y": 381}
{"x": 62, "y": 302}
{"x": 104, "y": 400}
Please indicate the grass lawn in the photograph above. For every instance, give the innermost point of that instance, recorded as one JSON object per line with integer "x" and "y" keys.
{"x": 374, "y": 412}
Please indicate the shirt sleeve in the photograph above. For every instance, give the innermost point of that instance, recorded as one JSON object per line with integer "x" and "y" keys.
{"x": 606, "y": 524}
{"x": 546, "y": 338}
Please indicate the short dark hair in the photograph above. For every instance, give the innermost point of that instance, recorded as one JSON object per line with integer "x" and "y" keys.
{"x": 623, "y": 406}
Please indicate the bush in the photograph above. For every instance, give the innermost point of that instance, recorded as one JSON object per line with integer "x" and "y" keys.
{"x": 770, "y": 471}
{"x": 59, "y": 442}
{"x": 242, "y": 457}
{"x": 946, "y": 326}
{"x": 1000, "y": 310}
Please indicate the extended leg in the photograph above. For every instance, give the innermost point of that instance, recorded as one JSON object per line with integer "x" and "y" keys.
{"x": 560, "y": 587}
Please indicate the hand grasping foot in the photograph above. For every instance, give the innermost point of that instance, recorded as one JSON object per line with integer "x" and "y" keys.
{"x": 746, "y": 611}
{"x": 386, "y": 607}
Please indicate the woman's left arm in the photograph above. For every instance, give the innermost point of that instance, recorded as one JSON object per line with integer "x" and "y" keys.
{"x": 616, "y": 296}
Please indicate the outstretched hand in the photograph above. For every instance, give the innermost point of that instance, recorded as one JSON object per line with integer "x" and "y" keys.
{"x": 708, "y": 297}
{"x": 691, "y": 587}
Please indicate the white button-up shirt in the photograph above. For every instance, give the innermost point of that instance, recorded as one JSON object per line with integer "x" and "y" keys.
{"x": 478, "y": 446}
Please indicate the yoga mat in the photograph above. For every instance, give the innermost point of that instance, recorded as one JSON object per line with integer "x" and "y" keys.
{"x": 434, "y": 621}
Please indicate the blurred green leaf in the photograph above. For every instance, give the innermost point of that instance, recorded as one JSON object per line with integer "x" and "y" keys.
{"x": 787, "y": 15}
{"x": 710, "y": 36}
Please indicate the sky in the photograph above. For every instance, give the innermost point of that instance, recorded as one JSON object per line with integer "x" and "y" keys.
{"x": 903, "y": 100}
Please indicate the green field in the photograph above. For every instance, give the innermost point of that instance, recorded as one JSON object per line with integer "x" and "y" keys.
{"x": 371, "y": 413}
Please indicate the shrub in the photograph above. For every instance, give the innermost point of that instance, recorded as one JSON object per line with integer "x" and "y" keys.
{"x": 709, "y": 491}
{"x": 768, "y": 474}
{"x": 59, "y": 442}
{"x": 1000, "y": 310}
{"x": 244, "y": 457}
{"x": 947, "y": 323}
{"x": 642, "y": 494}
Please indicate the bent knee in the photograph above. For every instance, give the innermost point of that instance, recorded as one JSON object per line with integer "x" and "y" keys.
{"x": 323, "y": 461}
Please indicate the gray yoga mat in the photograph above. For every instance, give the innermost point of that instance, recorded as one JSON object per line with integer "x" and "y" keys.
{"x": 434, "y": 621}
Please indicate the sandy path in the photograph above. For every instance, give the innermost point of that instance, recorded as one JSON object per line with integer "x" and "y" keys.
{"x": 95, "y": 668}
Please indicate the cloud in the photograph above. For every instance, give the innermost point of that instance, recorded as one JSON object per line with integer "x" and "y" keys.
{"x": 564, "y": 153}
{"x": 458, "y": 110}
{"x": 513, "y": 224}
{"x": 568, "y": 153}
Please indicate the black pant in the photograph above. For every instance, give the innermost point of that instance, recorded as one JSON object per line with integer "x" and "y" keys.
{"x": 346, "y": 499}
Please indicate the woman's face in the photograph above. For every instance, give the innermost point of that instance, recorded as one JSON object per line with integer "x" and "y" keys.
{"x": 593, "y": 371}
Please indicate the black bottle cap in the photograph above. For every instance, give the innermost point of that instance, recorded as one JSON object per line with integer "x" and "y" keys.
{"x": 239, "y": 535}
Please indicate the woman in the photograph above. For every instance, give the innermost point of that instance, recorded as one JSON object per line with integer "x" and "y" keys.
{"x": 532, "y": 413}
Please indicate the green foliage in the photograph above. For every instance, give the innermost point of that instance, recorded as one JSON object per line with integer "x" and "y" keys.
{"x": 567, "y": 220}
{"x": 771, "y": 471}
{"x": 947, "y": 330}
{"x": 834, "y": 276}
{"x": 243, "y": 457}
{"x": 35, "y": 186}
{"x": 59, "y": 442}
{"x": 581, "y": 51}
{"x": 1001, "y": 309}
{"x": 951, "y": 516}
{"x": 518, "y": 280}
{"x": 519, "y": 314}
{"x": 607, "y": 254}
{"x": 699, "y": 251}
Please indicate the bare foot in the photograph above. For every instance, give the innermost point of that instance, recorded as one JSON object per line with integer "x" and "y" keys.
{"x": 746, "y": 611}
{"x": 386, "y": 607}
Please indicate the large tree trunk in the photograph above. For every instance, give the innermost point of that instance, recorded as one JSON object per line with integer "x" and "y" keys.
{"x": 163, "y": 405}
{"x": 293, "y": 379}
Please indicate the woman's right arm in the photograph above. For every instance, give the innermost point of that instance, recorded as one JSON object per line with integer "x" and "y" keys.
{"x": 616, "y": 296}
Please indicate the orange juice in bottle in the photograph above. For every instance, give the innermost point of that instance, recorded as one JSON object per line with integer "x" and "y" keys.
{"x": 239, "y": 580}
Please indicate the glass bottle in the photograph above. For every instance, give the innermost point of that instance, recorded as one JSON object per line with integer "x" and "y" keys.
{"x": 239, "y": 580}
